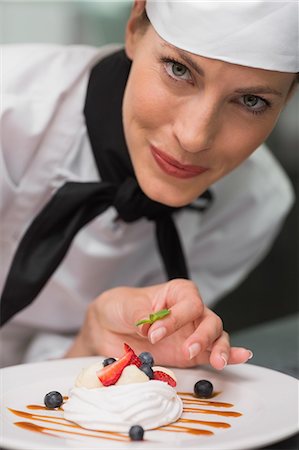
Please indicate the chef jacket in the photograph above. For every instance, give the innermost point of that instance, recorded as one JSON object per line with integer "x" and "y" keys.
{"x": 44, "y": 144}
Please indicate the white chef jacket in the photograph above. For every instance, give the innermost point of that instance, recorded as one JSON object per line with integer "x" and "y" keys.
{"x": 45, "y": 143}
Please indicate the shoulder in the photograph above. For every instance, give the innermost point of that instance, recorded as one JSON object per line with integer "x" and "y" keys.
{"x": 265, "y": 168}
{"x": 258, "y": 193}
{"x": 44, "y": 88}
{"x": 260, "y": 178}
{"x": 236, "y": 232}
{"x": 42, "y": 66}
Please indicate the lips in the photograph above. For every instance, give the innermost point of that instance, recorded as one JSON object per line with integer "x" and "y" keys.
{"x": 173, "y": 167}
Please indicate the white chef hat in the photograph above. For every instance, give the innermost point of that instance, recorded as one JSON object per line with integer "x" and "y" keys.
{"x": 254, "y": 33}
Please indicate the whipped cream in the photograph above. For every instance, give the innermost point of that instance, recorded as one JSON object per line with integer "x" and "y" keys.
{"x": 116, "y": 408}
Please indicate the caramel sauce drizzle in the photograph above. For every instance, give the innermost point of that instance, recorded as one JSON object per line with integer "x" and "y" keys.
{"x": 209, "y": 411}
{"x": 190, "y": 394}
{"x": 43, "y": 418}
{"x": 205, "y": 422}
{"x": 206, "y": 403}
{"x": 43, "y": 430}
{"x": 191, "y": 399}
{"x": 41, "y": 407}
{"x": 189, "y": 430}
{"x": 62, "y": 422}
{"x": 178, "y": 427}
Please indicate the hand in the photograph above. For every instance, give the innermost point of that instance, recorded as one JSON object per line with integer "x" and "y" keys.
{"x": 190, "y": 335}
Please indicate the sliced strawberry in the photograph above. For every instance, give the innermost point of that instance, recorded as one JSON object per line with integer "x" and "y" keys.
{"x": 111, "y": 373}
{"x": 134, "y": 360}
{"x": 162, "y": 376}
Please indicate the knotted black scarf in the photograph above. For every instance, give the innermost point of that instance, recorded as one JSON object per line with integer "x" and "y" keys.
{"x": 48, "y": 238}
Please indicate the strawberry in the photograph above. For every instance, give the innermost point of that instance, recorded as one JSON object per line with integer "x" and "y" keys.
{"x": 134, "y": 360}
{"x": 162, "y": 376}
{"x": 111, "y": 373}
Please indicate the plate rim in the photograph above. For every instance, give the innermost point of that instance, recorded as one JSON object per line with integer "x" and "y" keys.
{"x": 287, "y": 432}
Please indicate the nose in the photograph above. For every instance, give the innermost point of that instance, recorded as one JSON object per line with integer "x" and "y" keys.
{"x": 195, "y": 125}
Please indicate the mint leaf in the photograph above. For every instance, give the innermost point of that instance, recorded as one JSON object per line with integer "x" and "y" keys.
{"x": 159, "y": 314}
{"x": 154, "y": 316}
{"x": 140, "y": 322}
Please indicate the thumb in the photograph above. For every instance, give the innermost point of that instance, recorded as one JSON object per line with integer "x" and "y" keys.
{"x": 142, "y": 330}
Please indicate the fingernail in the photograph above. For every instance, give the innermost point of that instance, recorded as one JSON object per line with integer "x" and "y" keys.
{"x": 194, "y": 349}
{"x": 224, "y": 359}
{"x": 250, "y": 354}
{"x": 157, "y": 335}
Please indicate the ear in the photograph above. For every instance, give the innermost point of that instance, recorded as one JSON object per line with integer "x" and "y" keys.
{"x": 133, "y": 27}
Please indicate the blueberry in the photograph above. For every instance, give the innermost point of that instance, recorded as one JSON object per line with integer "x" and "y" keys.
{"x": 147, "y": 358}
{"x": 53, "y": 399}
{"x": 203, "y": 389}
{"x": 108, "y": 361}
{"x": 136, "y": 433}
{"x": 147, "y": 370}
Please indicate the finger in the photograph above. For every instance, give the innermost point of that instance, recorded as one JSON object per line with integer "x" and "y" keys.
{"x": 222, "y": 354}
{"x": 173, "y": 292}
{"x": 142, "y": 330}
{"x": 181, "y": 314}
{"x": 239, "y": 355}
{"x": 204, "y": 336}
{"x": 121, "y": 308}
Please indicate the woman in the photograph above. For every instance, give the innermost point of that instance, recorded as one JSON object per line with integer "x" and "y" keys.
{"x": 166, "y": 124}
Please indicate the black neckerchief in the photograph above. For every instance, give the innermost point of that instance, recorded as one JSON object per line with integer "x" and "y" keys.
{"x": 47, "y": 240}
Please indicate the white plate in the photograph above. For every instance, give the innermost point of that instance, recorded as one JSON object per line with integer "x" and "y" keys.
{"x": 266, "y": 399}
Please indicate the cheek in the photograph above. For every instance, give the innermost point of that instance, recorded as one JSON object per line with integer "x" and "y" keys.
{"x": 147, "y": 104}
{"x": 243, "y": 141}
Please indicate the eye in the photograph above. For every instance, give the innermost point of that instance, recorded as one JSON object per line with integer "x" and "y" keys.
{"x": 176, "y": 70}
{"x": 254, "y": 103}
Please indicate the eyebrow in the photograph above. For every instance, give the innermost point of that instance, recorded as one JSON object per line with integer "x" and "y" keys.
{"x": 248, "y": 90}
{"x": 258, "y": 90}
{"x": 186, "y": 58}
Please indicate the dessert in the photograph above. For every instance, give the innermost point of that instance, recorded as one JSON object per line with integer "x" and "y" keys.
{"x": 51, "y": 419}
{"x": 128, "y": 391}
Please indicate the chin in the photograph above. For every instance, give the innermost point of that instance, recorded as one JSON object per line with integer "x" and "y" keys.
{"x": 167, "y": 195}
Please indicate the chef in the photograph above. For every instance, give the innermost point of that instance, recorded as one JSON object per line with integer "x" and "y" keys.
{"x": 136, "y": 179}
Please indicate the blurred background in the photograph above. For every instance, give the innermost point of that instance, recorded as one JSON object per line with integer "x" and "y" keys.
{"x": 271, "y": 291}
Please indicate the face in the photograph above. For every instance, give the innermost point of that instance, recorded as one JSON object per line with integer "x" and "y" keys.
{"x": 190, "y": 120}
